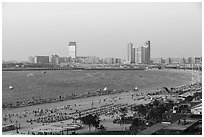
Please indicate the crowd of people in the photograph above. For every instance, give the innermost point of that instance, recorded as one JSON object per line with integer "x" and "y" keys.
{"x": 106, "y": 105}
{"x": 36, "y": 101}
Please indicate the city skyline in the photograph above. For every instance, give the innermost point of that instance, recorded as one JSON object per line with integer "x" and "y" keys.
{"x": 100, "y": 29}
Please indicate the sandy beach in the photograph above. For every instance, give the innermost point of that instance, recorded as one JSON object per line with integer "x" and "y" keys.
{"x": 70, "y": 107}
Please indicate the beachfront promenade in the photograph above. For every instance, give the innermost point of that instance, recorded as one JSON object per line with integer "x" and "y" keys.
{"x": 63, "y": 113}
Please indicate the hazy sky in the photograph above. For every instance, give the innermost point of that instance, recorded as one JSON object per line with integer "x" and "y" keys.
{"x": 100, "y": 29}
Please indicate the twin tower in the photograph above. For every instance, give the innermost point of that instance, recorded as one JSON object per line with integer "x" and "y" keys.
{"x": 140, "y": 55}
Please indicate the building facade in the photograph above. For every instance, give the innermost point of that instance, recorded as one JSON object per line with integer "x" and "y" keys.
{"x": 31, "y": 59}
{"x": 147, "y": 52}
{"x": 140, "y": 55}
{"x": 61, "y": 60}
{"x": 53, "y": 59}
{"x": 41, "y": 59}
{"x": 157, "y": 60}
{"x": 198, "y": 60}
{"x": 143, "y": 54}
{"x": 72, "y": 49}
{"x": 168, "y": 61}
{"x": 131, "y": 53}
{"x": 81, "y": 59}
{"x": 91, "y": 60}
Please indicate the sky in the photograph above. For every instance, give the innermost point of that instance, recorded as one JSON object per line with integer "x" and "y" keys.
{"x": 101, "y": 29}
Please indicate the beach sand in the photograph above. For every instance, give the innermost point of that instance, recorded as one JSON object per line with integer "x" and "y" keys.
{"x": 81, "y": 104}
{"x": 77, "y": 104}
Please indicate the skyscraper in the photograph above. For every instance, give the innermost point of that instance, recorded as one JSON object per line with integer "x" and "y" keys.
{"x": 131, "y": 53}
{"x": 128, "y": 52}
{"x": 143, "y": 54}
{"x": 147, "y": 52}
{"x": 140, "y": 55}
{"x": 72, "y": 49}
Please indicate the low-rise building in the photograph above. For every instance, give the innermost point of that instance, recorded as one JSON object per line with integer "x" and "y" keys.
{"x": 31, "y": 59}
{"x": 53, "y": 59}
{"x": 41, "y": 59}
{"x": 63, "y": 60}
{"x": 198, "y": 60}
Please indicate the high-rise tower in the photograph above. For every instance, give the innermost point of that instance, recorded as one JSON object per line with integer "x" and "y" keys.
{"x": 147, "y": 52}
{"x": 143, "y": 54}
{"x": 131, "y": 53}
{"x": 72, "y": 49}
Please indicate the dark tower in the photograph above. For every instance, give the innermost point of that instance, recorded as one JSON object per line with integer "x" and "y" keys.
{"x": 147, "y": 56}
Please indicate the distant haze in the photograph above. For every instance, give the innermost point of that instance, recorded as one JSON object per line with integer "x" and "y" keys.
{"x": 101, "y": 29}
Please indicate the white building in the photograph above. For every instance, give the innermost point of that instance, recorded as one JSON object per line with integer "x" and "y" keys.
{"x": 72, "y": 49}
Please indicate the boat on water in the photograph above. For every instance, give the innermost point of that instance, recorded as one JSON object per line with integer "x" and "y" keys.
{"x": 11, "y": 87}
{"x": 136, "y": 89}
